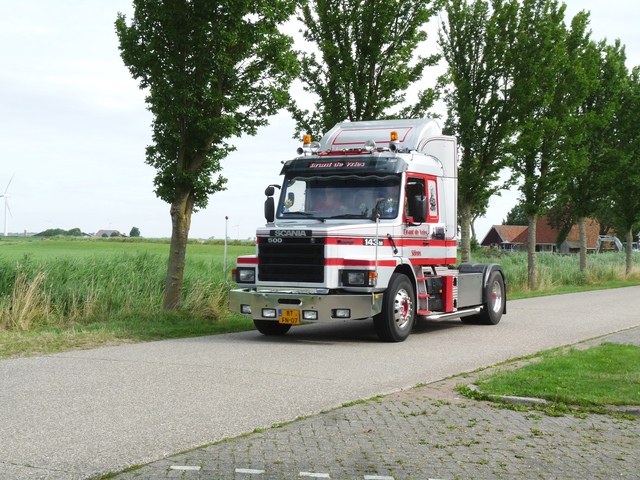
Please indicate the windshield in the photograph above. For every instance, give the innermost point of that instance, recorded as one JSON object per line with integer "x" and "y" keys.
{"x": 350, "y": 196}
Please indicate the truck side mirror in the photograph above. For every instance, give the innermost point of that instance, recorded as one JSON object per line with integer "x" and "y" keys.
{"x": 419, "y": 209}
{"x": 269, "y": 204}
{"x": 269, "y": 209}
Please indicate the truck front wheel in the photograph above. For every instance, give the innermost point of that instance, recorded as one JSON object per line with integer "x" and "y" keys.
{"x": 395, "y": 321}
{"x": 269, "y": 327}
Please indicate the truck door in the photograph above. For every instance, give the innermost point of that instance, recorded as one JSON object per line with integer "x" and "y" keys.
{"x": 419, "y": 237}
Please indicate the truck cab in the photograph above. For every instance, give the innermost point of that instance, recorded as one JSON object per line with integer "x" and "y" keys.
{"x": 364, "y": 226}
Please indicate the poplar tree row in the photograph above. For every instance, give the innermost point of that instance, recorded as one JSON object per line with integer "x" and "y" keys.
{"x": 527, "y": 91}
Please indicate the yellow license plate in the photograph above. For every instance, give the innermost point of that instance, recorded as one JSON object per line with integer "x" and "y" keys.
{"x": 289, "y": 317}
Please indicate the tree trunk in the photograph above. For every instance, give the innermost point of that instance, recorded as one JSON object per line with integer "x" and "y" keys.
{"x": 181, "y": 210}
{"x": 473, "y": 229}
{"x": 465, "y": 233}
{"x": 583, "y": 244}
{"x": 532, "y": 279}
{"x": 629, "y": 251}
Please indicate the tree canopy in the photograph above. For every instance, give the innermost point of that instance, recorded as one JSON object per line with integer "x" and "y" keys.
{"x": 365, "y": 61}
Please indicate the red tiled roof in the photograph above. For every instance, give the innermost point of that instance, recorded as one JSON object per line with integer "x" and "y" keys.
{"x": 509, "y": 233}
{"x": 593, "y": 230}
{"x": 546, "y": 234}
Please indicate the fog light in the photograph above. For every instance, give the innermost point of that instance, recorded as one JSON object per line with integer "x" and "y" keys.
{"x": 309, "y": 315}
{"x": 341, "y": 313}
{"x": 269, "y": 312}
{"x": 246, "y": 309}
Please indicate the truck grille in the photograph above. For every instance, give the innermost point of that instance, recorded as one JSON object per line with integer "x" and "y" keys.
{"x": 299, "y": 260}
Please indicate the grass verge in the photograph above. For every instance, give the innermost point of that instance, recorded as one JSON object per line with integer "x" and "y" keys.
{"x": 47, "y": 340}
{"x": 608, "y": 374}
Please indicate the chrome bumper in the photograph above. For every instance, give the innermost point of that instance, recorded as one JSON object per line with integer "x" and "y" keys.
{"x": 361, "y": 306}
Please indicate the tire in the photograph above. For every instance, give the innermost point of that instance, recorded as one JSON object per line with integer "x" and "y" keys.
{"x": 395, "y": 321}
{"x": 269, "y": 327}
{"x": 494, "y": 298}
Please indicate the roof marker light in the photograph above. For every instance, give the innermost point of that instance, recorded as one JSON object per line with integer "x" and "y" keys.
{"x": 393, "y": 143}
{"x": 306, "y": 142}
{"x": 369, "y": 145}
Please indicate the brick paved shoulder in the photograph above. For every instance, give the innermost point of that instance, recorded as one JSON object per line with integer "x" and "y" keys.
{"x": 415, "y": 435}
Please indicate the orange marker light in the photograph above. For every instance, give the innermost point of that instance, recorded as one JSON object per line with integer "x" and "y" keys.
{"x": 306, "y": 139}
{"x": 394, "y": 136}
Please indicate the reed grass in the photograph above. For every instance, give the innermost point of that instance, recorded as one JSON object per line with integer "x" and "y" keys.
{"x": 57, "y": 291}
{"x": 125, "y": 280}
{"x": 558, "y": 271}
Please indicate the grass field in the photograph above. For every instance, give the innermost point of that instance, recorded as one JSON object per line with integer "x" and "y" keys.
{"x": 85, "y": 292}
{"x": 38, "y": 248}
{"x": 65, "y": 293}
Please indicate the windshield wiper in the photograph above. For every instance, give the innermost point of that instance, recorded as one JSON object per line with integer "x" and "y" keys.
{"x": 348, "y": 215}
{"x": 305, "y": 214}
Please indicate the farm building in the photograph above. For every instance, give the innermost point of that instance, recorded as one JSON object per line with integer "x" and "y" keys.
{"x": 108, "y": 233}
{"x": 516, "y": 237}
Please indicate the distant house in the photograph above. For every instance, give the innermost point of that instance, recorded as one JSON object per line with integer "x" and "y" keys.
{"x": 503, "y": 237}
{"x": 516, "y": 238}
{"x": 108, "y": 233}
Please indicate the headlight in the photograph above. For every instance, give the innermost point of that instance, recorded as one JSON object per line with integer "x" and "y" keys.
{"x": 359, "y": 278}
{"x": 355, "y": 278}
{"x": 245, "y": 275}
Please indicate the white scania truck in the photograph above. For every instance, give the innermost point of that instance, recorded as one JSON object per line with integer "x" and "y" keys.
{"x": 365, "y": 227}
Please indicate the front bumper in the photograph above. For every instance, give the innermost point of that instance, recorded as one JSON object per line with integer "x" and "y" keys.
{"x": 361, "y": 306}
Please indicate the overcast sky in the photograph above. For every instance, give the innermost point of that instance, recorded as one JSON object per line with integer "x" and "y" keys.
{"x": 74, "y": 126}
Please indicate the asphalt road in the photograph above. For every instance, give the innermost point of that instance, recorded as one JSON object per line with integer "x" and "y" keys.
{"x": 79, "y": 414}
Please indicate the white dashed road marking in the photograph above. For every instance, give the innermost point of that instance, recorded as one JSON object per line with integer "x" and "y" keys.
{"x": 184, "y": 467}
{"x": 249, "y": 471}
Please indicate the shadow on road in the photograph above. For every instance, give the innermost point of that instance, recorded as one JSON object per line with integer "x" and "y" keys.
{"x": 355, "y": 331}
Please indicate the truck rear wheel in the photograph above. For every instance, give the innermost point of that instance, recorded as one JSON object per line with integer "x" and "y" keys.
{"x": 494, "y": 295}
{"x": 269, "y": 327}
{"x": 395, "y": 321}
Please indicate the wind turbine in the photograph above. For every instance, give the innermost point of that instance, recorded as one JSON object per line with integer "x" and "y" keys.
{"x": 6, "y": 204}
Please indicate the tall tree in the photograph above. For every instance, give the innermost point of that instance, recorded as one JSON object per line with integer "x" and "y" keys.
{"x": 548, "y": 87}
{"x": 625, "y": 193}
{"x": 586, "y": 178}
{"x": 212, "y": 70}
{"x": 365, "y": 61}
{"x": 475, "y": 42}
